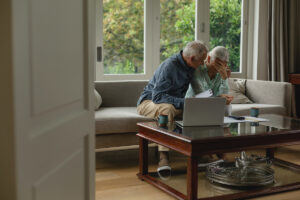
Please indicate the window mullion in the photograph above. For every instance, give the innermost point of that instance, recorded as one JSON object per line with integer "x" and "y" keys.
{"x": 202, "y": 21}
{"x": 244, "y": 40}
{"x": 151, "y": 36}
{"x": 99, "y": 38}
{"x": 156, "y": 35}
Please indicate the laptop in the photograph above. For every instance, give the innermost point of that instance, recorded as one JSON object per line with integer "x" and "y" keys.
{"x": 203, "y": 112}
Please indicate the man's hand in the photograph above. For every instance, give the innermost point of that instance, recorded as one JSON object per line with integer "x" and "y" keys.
{"x": 222, "y": 68}
{"x": 229, "y": 98}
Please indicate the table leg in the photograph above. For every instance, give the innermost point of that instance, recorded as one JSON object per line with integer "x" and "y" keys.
{"x": 192, "y": 178}
{"x": 270, "y": 152}
{"x": 143, "y": 156}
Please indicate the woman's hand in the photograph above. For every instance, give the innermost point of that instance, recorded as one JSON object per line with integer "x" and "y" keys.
{"x": 228, "y": 98}
{"x": 228, "y": 70}
{"x": 222, "y": 68}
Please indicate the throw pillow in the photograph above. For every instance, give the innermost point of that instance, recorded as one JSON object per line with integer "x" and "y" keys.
{"x": 237, "y": 88}
{"x": 98, "y": 99}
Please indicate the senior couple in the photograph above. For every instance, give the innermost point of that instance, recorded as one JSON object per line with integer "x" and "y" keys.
{"x": 185, "y": 74}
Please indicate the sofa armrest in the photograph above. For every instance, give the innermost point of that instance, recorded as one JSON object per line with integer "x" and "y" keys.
{"x": 270, "y": 92}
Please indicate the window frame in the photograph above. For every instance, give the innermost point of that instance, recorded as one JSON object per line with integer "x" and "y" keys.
{"x": 151, "y": 43}
{"x": 152, "y": 38}
{"x": 244, "y": 41}
{"x": 203, "y": 32}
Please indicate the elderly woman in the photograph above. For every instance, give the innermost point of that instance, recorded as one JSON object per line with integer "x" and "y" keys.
{"x": 212, "y": 75}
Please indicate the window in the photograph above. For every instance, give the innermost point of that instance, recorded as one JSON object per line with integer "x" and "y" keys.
{"x": 123, "y": 36}
{"x": 225, "y": 28}
{"x": 177, "y": 26}
{"x": 137, "y": 35}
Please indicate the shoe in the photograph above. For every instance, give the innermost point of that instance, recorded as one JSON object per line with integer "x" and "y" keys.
{"x": 164, "y": 169}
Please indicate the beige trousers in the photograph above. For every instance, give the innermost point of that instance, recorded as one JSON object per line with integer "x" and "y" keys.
{"x": 149, "y": 109}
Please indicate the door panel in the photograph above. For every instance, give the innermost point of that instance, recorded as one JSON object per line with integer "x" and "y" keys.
{"x": 55, "y": 184}
{"x": 57, "y": 40}
{"x": 53, "y": 55}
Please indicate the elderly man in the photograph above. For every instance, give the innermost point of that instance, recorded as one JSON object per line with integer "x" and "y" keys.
{"x": 165, "y": 92}
{"x": 213, "y": 75}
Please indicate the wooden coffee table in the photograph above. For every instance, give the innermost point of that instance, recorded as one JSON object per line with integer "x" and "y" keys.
{"x": 194, "y": 142}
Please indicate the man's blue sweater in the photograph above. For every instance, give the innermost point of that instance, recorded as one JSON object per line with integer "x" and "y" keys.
{"x": 169, "y": 83}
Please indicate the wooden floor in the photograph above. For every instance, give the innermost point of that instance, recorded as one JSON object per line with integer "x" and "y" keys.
{"x": 116, "y": 176}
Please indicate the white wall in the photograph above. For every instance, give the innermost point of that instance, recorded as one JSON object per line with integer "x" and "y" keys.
{"x": 7, "y": 154}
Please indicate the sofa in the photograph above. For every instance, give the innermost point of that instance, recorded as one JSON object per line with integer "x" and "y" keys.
{"x": 117, "y": 117}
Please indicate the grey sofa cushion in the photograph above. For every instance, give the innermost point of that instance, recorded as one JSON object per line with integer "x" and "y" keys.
{"x": 97, "y": 99}
{"x": 120, "y": 93}
{"x": 244, "y": 109}
{"x": 237, "y": 88}
{"x": 118, "y": 120}
{"x": 269, "y": 92}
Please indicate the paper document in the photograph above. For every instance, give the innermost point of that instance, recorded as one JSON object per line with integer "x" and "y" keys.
{"x": 228, "y": 120}
{"x": 207, "y": 93}
{"x": 255, "y": 119}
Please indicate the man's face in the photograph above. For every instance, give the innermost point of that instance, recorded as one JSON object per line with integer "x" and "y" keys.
{"x": 196, "y": 63}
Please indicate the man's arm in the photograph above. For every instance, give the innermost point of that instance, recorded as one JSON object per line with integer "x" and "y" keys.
{"x": 162, "y": 88}
{"x": 196, "y": 82}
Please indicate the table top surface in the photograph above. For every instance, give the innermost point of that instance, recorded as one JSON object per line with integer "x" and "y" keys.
{"x": 278, "y": 125}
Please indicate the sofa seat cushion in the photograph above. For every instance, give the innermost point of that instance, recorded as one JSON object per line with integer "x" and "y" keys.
{"x": 118, "y": 120}
{"x": 244, "y": 109}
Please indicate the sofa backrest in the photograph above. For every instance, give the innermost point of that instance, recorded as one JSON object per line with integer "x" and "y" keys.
{"x": 126, "y": 93}
{"x": 270, "y": 92}
{"x": 120, "y": 93}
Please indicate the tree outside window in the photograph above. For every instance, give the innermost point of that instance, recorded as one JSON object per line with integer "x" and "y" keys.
{"x": 124, "y": 31}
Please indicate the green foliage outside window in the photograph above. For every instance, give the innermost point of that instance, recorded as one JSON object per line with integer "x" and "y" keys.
{"x": 177, "y": 26}
{"x": 225, "y": 28}
{"x": 124, "y": 31}
{"x": 123, "y": 28}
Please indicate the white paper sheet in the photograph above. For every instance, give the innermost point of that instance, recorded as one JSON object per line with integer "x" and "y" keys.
{"x": 228, "y": 120}
{"x": 205, "y": 94}
{"x": 255, "y": 119}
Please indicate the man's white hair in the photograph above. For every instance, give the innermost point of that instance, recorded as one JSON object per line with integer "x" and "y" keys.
{"x": 219, "y": 52}
{"x": 195, "y": 48}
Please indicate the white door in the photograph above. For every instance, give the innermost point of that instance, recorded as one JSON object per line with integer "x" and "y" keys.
{"x": 53, "y": 72}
